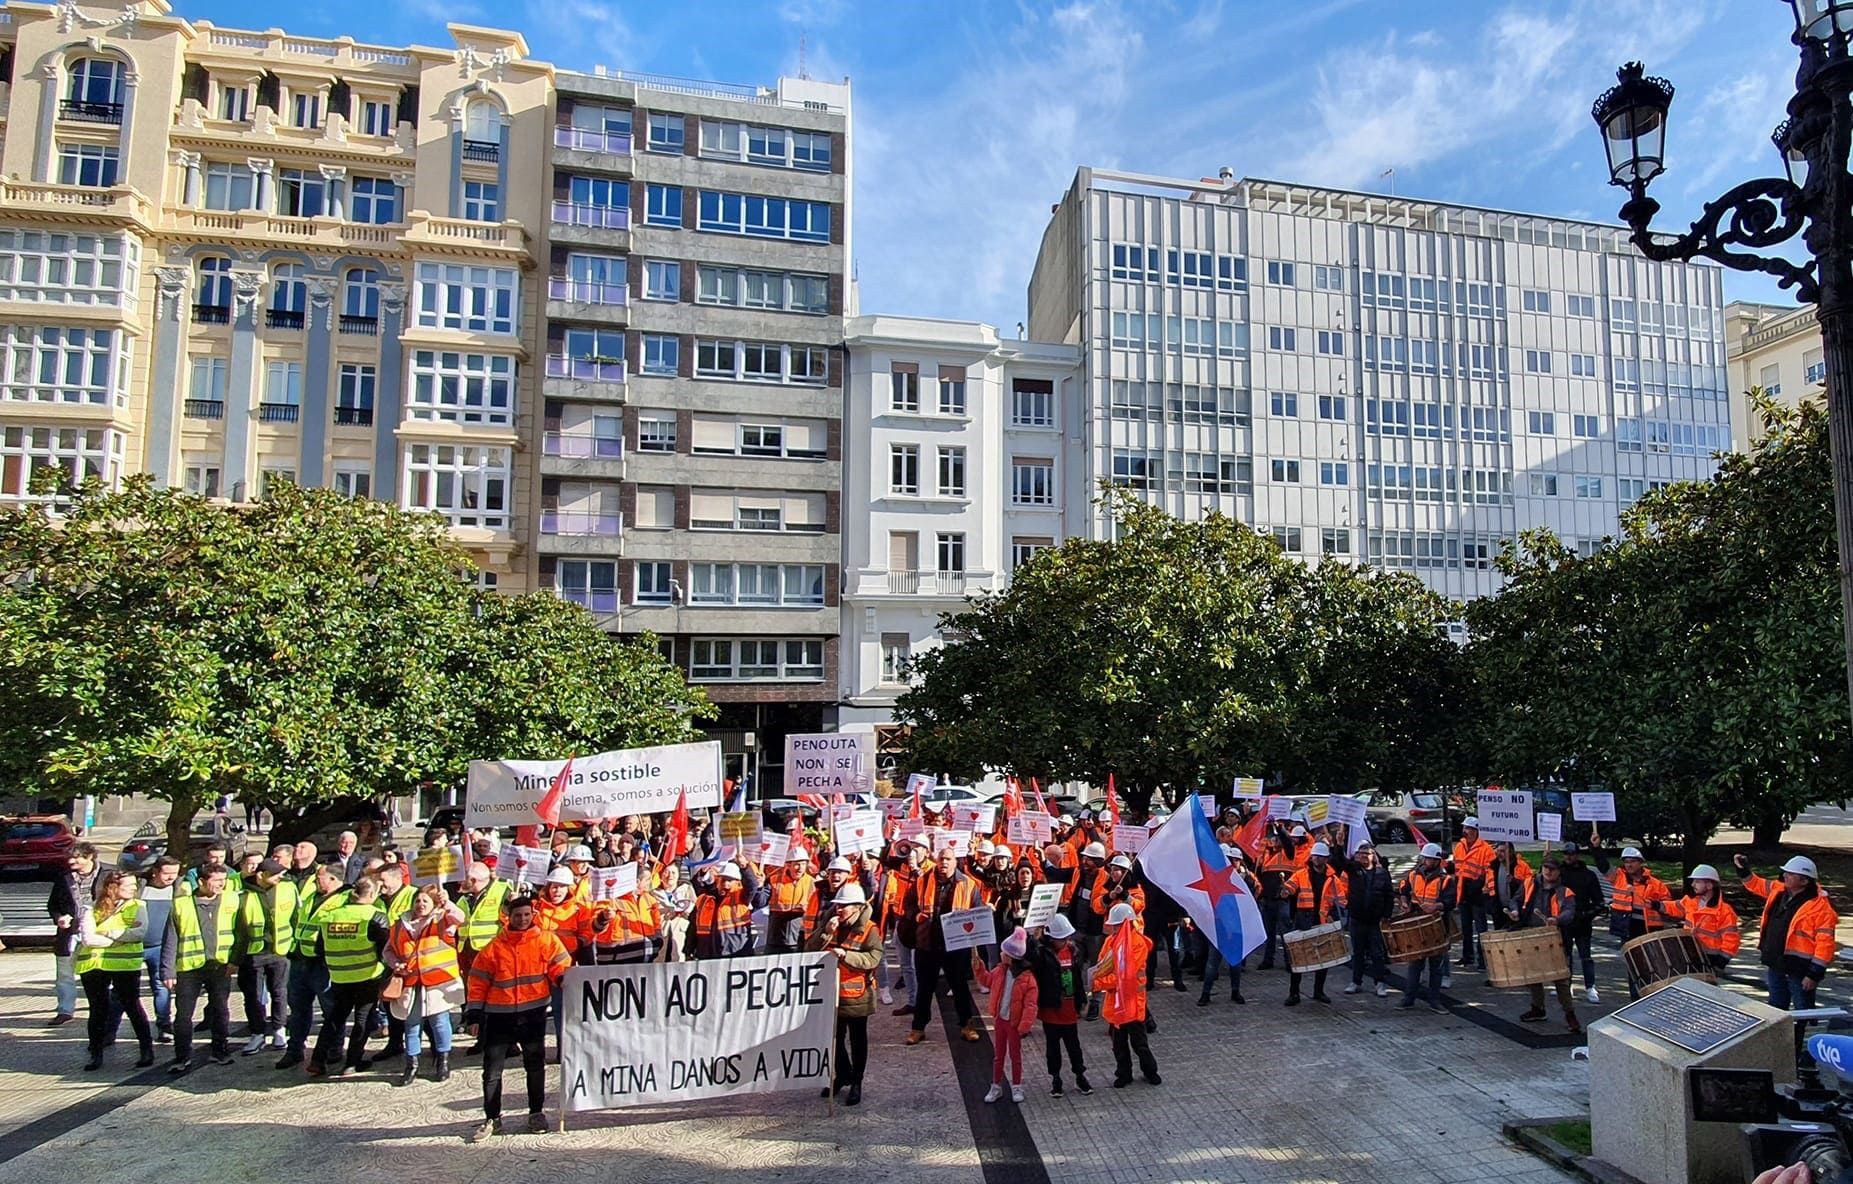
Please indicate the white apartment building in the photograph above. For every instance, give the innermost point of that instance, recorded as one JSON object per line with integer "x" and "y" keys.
{"x": 1774, "y": 347}
{"x": 962, "y": 458}
{"x": 1379, "y": 379}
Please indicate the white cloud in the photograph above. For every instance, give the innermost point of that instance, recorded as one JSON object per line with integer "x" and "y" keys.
{"x": 592, "y": 29}
{"x": 1725, "y": 136}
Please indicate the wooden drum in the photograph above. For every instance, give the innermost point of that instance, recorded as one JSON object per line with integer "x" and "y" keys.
{"x": 1321, "y": 948}
{"x": 1656, "y": 959}
{"x": 1415, "y": 937}
{"x": 1521, "y": 957}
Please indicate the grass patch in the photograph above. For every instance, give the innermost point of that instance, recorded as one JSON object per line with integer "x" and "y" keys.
{"x": 1573, "y": 1136}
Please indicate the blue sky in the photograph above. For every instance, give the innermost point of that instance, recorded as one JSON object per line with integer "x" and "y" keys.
{"x": 970, "y": 118}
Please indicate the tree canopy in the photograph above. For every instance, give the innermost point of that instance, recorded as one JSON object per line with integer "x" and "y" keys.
{"x": 1177, "y": 655}
{"x": 298, "y": 650}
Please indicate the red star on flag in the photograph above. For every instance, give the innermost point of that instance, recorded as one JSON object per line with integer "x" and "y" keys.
{"x": 1217, "y": 883}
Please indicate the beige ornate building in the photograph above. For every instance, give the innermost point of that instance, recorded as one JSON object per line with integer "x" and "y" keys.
{"x": 1776, "y": 347}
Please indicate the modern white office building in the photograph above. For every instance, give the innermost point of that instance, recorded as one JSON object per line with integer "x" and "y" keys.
{"x": 1380, "y": 379}
{"x": 962, "y": 457}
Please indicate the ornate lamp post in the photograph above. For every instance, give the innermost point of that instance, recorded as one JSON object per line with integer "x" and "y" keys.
{"x": 1814, "y": 200}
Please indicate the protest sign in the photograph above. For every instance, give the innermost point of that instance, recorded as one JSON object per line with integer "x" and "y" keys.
{"x": 1030, "y": 828}
{"x": 437, "y": 865}
{"x": 919, "y": 783}
{"x": 959, "y": 840}
{"x": 609, "y": 883}
{"x": 1129, "y": 839}
{"x": 1247, "y": 787}
{"x": 773, "y": 847}
{"x": 979, "y": 818}
{"x": 1550, "y": 828}
{"x": 522, "y": 865}
{"x": 893, "y": 807}
{"x": 604, "y": 785}
{"x": 860, "y": 832}
{"x": 841, "y": 811}
{"x": 912, "y": 830}
{"x": 743, "y": 829}
{"x": 1044, "y": 899}
{"x": 1342, "y": 807}
{"x": 1316, "y": 812}
{"x": 1505, "y": 815}
{"x": 969, "y": 928}
{"x": 827, "y": 762}
{"x": 1592, "y": 807}
{"x": 1279, "y": 806}
{"x": 676, "y": 1032}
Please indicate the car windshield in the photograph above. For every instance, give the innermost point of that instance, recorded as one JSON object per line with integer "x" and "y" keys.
{"x": 146, "y": 830}
{"x": 206, "y": 826}
{"x": 22, "y": 831}
{"x": 1425, "y": 801}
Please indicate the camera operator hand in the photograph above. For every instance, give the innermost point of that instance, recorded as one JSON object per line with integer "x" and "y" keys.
{"x": 1796, "y": 1173}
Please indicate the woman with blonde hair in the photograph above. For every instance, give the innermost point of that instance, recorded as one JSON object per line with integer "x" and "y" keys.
{"x": 109, "y": 962}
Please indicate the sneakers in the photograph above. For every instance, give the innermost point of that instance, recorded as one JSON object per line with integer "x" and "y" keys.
{"x": 1080, "y": 1083}
{"x": 995, "y": 1092}
{"x": 1382, "y": 990}
{"x": 59, "y": 1020}
{"x": 1353, "y": 989}
{"x": 253, "y": 1046}
{"x": 1056, "y": 1090}
{"x": 887, "y": 997}
{"x": 1532, "y": 1016}
{"x": 984, "y": 988}
{"x": 970, "y": 1032}
{"x": 1016, "y": 1094}
{"x": 180, "y": 1068}
{"x": 537, "y": 1124}
{"x": 222, "y": 1058}
{"x": 915, "y": 1036}
{"x": 1438, "y": 1009}
{"x": 1592, "y": 996}
{"x": 481, "y": 1132}
{"x": 278, "y": 1042}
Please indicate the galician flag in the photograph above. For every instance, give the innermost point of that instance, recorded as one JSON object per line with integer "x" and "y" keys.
{"x": 1184, "y": 859}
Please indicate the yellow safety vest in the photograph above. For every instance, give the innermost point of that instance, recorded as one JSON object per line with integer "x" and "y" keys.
{"x": 192, "y": 953}
{"x": 346, "y": 947}
{"x": 485, "y": 916}
{"x": 309, "y": 908}
{"x": 116, "y": 956}
{"x": 270, "y": 920}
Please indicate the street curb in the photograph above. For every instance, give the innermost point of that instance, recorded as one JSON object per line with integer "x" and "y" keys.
{"x": 1529, "y": 1134}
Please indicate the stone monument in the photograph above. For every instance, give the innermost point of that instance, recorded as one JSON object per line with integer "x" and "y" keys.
{"x": 1640, "y": 1102}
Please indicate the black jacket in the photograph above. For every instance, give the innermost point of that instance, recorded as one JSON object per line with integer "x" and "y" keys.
{"x": 70, "y": 898}
{"x": 1371, "y": 893}
{"x": 1048, "y": 972}
{"x": 1586, "y": 886}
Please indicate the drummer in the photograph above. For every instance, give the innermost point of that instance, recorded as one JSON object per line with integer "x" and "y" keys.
{"x": 1709, "y": 916}
{"x": 1430, "y": 889}
{"x": 1316, "y": 891}
{"x": 1548, "y": 903}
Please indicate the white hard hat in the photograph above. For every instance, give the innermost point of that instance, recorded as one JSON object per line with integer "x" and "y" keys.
{"x": 1231, "y": 851}
{"x": 1801, "y": 865}
{"x": 982, "y": 847}
{"x": 579, "y": 853}
{"x": 798, "y": 854}
{"x": 1632, "y": 853}
{"x": 1321, "y": 849}
{"x": 1001, "y": 849}
{"x": 1472, "y": 821}
{"x": 850, "y": 894}
{"x": 839, "y": 864}
{"x": 729, "y": 871}
{"x": 1093, "y": 851}
{"x": 1120, "y": 913}
{"x": 560, "y": 875}
{"x": 1060, "y": 927}
{"x": 1124, "y": 861}
{"x": 1703, "y": 871}
{"x": 1431, "y": 851}
{"x": 1299, "y": 832}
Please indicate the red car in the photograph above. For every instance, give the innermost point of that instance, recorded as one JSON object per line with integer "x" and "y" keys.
{"x": 36, "y": 842}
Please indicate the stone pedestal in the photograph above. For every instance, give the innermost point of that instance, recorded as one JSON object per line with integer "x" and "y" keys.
{"x": 1640, "y": 1103}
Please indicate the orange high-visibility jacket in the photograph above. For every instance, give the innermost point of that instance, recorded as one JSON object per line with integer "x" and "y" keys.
{"x": 1301, "y": 885}
{"x": 1431, "y": 894}
{"x": 428, "y": 959}
{"x": 1471, "y": 863}
{"x": 1811, "y": 931}
{"x": 1715, "y": 926}
{"x": 1135, "y": 895}
{"x": 570, "y": 921}
{"x": 1647, "y": 899}
{"x": 926, "y": 891}
{"x": 1120, "y": 973}
{"x": 634, "y": 918}
{"x": 517, "y": 970}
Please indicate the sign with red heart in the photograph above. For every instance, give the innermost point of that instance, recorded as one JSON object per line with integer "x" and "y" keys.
{"x": 969, "y": 928}
{"x": 860, "y": 833}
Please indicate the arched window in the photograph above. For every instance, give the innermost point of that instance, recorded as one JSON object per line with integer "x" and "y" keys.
{"x": 482, "y": 122}
{"x": 94, "y": 93}
{"x": 214, "y": 303}
{"x": 360, "y": 300}
{"x": 289, "y": 297}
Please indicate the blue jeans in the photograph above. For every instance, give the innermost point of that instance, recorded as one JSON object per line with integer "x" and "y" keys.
{"x": 1213, "y": 964}
{"x": 163, "y": 998}
{"x": 64, "y": 982}
{"x": 1786, "y": 990}
{"x": 415, "y": 1021}
{"x": 308, "y": 986}
{"x": 1436, "y": 967}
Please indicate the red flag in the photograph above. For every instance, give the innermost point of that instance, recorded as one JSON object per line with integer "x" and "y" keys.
{"x": 1249, "y": 837}
{"x": 913, "y": 810}
{"x": 1013, "y": 797}
{"x": 1113, "y": 803}
{"x": 1415, "y": 832}
{"x": 548, "y": 808}
{"x": 1040, "y": 804}
{"x": 675, "y": 835}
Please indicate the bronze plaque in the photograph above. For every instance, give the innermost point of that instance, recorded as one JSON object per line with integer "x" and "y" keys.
{"x": 1690, "y": 1021}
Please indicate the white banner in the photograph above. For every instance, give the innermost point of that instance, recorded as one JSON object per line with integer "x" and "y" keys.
{"x": 1342, "y": 807}
{"x": 1044, "y": 899}
{"x": 860, "y": 832}
{"x": 1030, "y": 828}
{"x": 772, "y": 849}
{"x": 827, "y": 762}
{"x": 1592, "y": 807}
{"x": 1505, "y": 816}
{"x": 969, "y": 928}
{"x": 605, "y": 785}
{"x": 1550, "y": 828}
{"x": 669, "y": 1033}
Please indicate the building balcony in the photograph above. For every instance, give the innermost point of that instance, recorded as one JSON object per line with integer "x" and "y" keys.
{"x": 949, "y": 583}
{"x": 926, "y": 583}
{"x": 212, "y": 314}
{"x": 203, "y": 409}
{"x": 278, "y": 412}
{"x": 565, "y": 288}
{"x": 84, "y": 111}
{"x": 566, "y": 213}
{"x": 257, "y": 227}
{"x": 463, "y": 236}
{"x": 585, "y": 369}
{"x": 598, "y": 602}
{"x": 360, "y": 326}
{"x": 576, "y": 447}
{"x": 581, "y": 522}
{"x": 482, "y": 151}
{"x": 903, "y": 583}
{"x": 579, "y": 139}
{"x": 283, "y": 318}
{"x": 354, "y": 417}
{"x": 118, "y": 205}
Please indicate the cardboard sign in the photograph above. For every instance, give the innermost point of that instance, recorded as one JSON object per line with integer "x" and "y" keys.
{"x": 979, "y": 818}
{"x": 1044, "y": 900}
{"x": 523, "y": 865}
{"x": 742, "y": 830}
{"x": 827, "y": 762}
{"x": 670, "y": 1033}
{"x": 919, "y": 783}
{"x": 1550, "y": 828}
{"x": 911, "y": 830}
{"x": 1505, "y": 816}
{"x": 861, "y": 832}
{"x": 1592, "y": 807}
{"x": 437, "y": 865}
{"x": 609, "y": 883}
{"x": 772, "y": 849}
{"x": 1030, "y": 828}
{"x": 1247, "y": 787}
{"x": 968, "y": 929}
{"x": 1316, "y": 813}
{"x": 1130, "y": 839}
{"x": 1342, "y": 807}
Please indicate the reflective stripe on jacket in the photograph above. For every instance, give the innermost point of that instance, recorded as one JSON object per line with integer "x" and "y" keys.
{"x": 123, "y": 954}
{"x": 347, "y": 943}
{"x": 1634, "y": 899}
{"x": 1715, "y": 926}
{"x": 484, "y": 918}
{"x": 192, "y": 952}
{"x": 427, "y": 958}
{"x": 517, "y": 971}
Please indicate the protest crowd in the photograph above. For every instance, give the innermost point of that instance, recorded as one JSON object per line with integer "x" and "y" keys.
{"x": 1062, "y": 929}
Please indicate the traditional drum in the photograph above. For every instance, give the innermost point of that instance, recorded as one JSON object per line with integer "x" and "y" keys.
{"x": 1415, "y": 937}
{"x": 1656, "y": 959}
{"x": 1321, "y": 948}
{"x": 1521, "y": 957}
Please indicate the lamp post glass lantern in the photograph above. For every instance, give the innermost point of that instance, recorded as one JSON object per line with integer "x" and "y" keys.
{"x": 1632, "y": 116}
{"x": 1822, "y": 20}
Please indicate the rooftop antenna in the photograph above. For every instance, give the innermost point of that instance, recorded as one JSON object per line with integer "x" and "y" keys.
{"x": 802, "y": 40}
{"x": 1389, "y": 173}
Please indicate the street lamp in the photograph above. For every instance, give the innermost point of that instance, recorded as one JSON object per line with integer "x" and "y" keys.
{"x": 1812, "y": 200}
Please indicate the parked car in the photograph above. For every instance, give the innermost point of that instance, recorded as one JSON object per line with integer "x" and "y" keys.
{"x": 449, "y": 818}
{"x": 36, "y": 843}
{"x": 1395, "y": 816}
{"x": 209, "y": 829}
{"x": 147, "y": 844}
